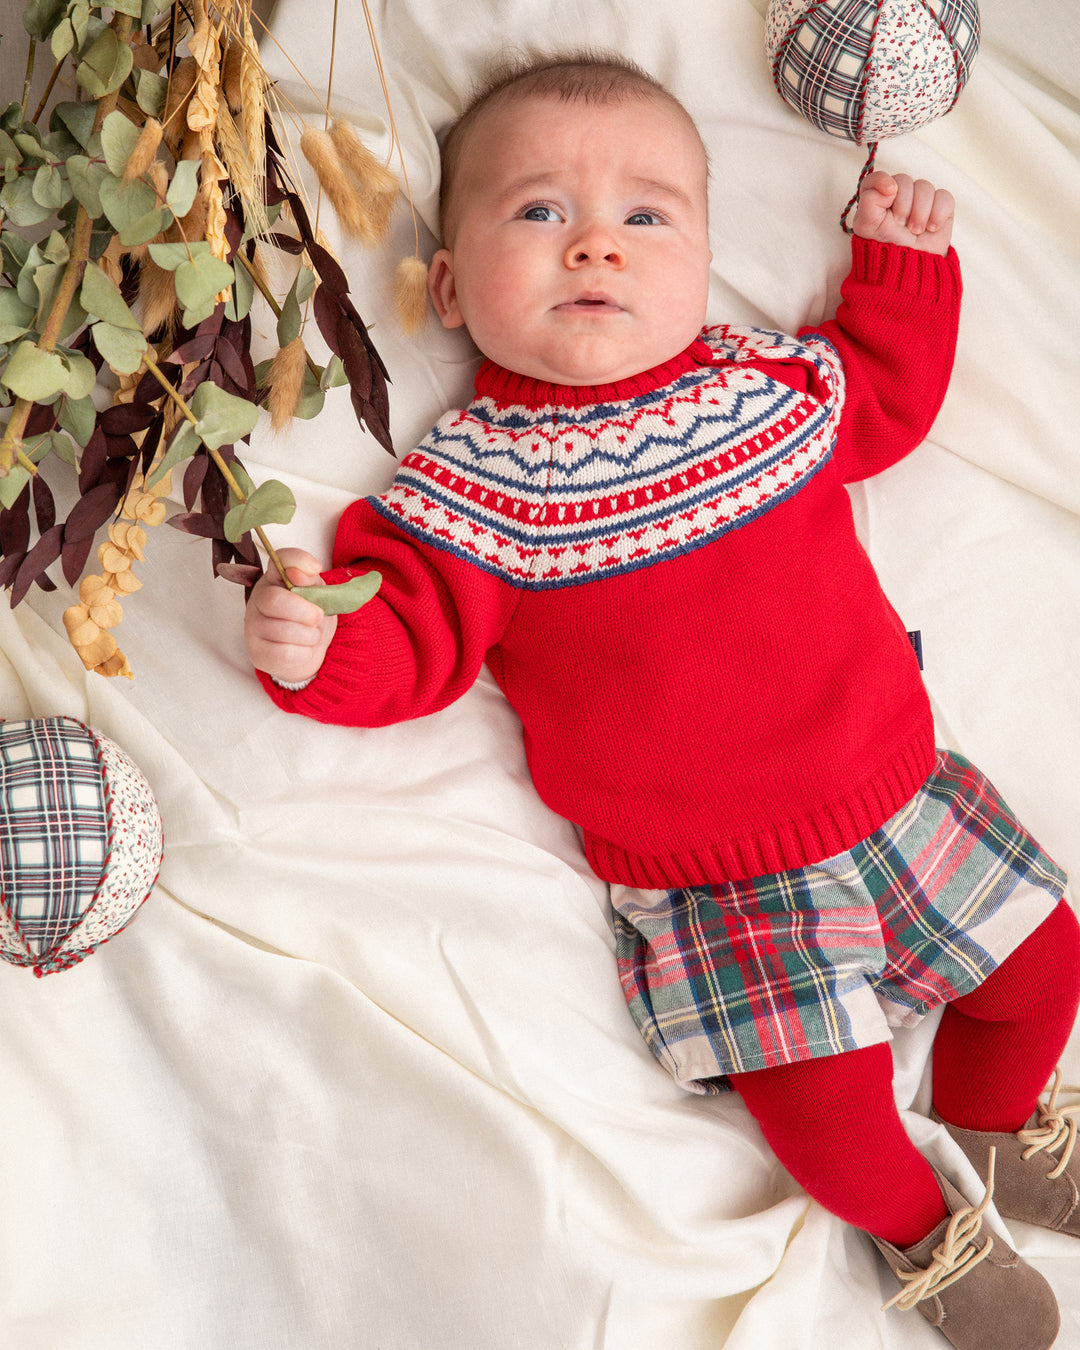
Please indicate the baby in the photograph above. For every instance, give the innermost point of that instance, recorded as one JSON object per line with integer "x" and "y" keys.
{"x": 641, "y": 525}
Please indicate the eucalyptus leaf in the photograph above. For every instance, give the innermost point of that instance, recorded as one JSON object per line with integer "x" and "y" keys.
{"x": 152, "y": 8}
{"x": 49, "y": 188}
{"x": 345, "y": 597}
{"x": 82, "y": 374}
{"x": 243, "y": 478}
{"x": 170, "y": 256}
{"x": 289, "y": 321}
{"x": 141, "y": 231}
{"x": 29, "y": 142}
{"x": 56, "y": 248}
{"x": 78, "y": 417}
{"x": 47, "y": 280}
{"x": 17, "y": 201}
{"x": 125, "y": 203}
{"x": 311, "y": 400}
{"x": 132, "y": 7}
{"x": 182, "y": 189}
{"x": 10, "y": 154}
{"x": 12, "y": 486}
{"x": 335, "y": 374}
{"x": 85, "y": 179}
{"x": 100, "y": 296}
{"x": 62, "y": 40}
{"x": 184, "y": 444}
{"x": 150, "y": 92}
{"x": 221, "y": 418}
{"x": 119, "y": 136}
{"x": 15, "y": 316}
{"x": 238, "y": 305}
{"x": 40, "y": 17}
{"x": 105, "y": 66}
{"x": 270, "y": 504}
{"x": 121, "y": 347}
{"x": 79, "y": 14}
{"x": 33, "y": 374}
{"x": 78, "y": 118}
{"x": 199, "y": 279}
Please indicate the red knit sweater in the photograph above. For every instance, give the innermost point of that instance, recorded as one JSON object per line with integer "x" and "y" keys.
{"x": 663, "y": 577}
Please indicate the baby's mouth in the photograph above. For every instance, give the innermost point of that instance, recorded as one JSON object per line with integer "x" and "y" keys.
{"x": 595, "y": 301}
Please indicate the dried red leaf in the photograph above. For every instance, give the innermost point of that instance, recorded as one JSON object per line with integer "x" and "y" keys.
{"x": 287, "y": 243}
{"x": 44, "y": 553}
{"x": 355, "y": 358}
{"x": 39, "y": 420}
{"x": 330, "y": 273}
{"x": 197, "y": 348}
{"x": 197, "y": 522}
{"x": 9, "y": 567}
{"x": 123, "y": 419}
{"x": 120, "y": 447}
{"x": 44, "y": 504}
{"x": 75, "y": 554}
{"x": 15, "y": 524}
{"x": 229, "y": 360}
{"x": 91, "y": 511}
{"x": 93, "y": 460}
{"x": 242, "y": 573}
{"x": 193, "y": 477}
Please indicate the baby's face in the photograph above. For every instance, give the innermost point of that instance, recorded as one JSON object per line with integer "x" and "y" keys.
{"x": 580, "y": 249}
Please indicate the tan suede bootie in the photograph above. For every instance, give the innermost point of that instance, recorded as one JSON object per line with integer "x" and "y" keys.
{"x": 971, "y": 1285}
{"x": 1037, "y": 1174}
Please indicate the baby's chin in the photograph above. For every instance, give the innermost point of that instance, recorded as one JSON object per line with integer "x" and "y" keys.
{"x": 586, "y": 371}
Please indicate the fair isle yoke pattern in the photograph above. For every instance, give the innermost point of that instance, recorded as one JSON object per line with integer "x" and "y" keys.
{"x": 557, "y": 496}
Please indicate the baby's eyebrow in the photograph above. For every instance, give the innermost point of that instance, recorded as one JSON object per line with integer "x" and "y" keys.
{"x": 551, "y": 177}
{"x": 654, "y": 185}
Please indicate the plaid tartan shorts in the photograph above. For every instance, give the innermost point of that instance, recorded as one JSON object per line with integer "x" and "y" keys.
{"x": 817, "y": 960}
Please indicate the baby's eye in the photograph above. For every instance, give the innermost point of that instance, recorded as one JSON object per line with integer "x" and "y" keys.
{"x": 644, "y": 218}
{"x": 540, "y": 212}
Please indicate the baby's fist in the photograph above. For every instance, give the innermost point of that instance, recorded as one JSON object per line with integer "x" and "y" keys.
{"x": 898, "y": 210}
{"x": 287, "y": 636}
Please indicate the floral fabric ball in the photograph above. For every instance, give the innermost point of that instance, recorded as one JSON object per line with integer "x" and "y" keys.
{"x": 80, "y": 842}
{"x": 869, "y": 69}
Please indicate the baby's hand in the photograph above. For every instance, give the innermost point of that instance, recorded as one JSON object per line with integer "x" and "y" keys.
{"x": 896, "y": 210}
{"x": 287, "y": 636}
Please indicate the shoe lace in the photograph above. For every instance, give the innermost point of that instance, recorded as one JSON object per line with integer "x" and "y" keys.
{"x": 1056, "y": 1129}
{"x": 953, "y": 1257}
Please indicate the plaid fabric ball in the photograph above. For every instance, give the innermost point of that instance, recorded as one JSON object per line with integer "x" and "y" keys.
{"x": 869, "y": 69}
{"x": 80, "y": 842}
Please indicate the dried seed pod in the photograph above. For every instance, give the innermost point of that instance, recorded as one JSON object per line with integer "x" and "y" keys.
{"x": 145, "y": 150}
{"x": 286, "y": 383}
{"x": 411, "y": 294}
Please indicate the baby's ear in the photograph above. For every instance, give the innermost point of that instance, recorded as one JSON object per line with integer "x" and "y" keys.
{"x": 442, "y": 289}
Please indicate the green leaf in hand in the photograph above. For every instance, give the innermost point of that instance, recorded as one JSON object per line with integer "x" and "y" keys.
{"x": 344, "y": 597}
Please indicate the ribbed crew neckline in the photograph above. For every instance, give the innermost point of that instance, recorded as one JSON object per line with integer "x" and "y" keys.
{"x": 507, "y": 387}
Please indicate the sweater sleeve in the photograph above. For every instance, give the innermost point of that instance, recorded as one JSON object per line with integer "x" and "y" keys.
{"x": 895, "y": 331}
{"x": 417, "y": 645}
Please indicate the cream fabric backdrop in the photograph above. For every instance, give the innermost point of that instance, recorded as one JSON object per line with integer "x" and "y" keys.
{"x": 360, "y": 1075}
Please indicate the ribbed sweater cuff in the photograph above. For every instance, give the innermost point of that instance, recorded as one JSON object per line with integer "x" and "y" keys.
{"x": 897, "y": 268}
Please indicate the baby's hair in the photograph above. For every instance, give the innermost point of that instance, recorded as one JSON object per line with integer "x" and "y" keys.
{"x": 578, "y": 76}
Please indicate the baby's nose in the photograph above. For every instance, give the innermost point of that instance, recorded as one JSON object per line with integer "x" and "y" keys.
{"x": 595, "y": 244}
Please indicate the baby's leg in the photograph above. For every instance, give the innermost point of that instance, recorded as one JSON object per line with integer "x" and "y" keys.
{"x": 997, "y": 1047}
{"x": 833, "y": 1123}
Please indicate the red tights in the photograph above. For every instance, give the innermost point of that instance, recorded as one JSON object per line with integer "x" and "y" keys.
{"x": 833, "y": 1121}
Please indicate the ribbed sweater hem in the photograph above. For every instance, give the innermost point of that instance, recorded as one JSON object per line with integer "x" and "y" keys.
{"x": 823, "y": 832}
